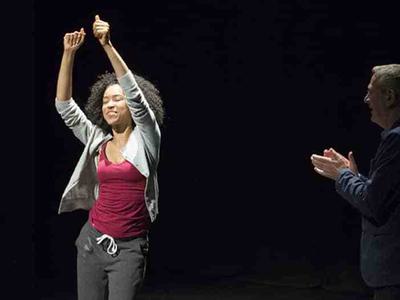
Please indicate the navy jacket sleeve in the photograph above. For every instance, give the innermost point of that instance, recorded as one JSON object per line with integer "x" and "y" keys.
{"x": 376, "y": 197}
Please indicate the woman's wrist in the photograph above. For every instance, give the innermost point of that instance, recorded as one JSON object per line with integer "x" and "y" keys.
{"x": 69, "y": 52}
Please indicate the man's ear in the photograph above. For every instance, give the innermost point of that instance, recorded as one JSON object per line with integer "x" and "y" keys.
{"x": 391, "y": 98}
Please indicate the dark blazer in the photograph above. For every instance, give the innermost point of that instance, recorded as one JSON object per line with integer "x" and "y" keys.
{"x": 377, "y": 198}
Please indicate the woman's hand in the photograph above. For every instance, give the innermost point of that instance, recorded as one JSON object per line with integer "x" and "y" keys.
{"x": 101, "y": 31}
{"x": 73, "y": 40}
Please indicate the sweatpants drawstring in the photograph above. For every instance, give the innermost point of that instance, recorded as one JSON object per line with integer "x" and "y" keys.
{"x": 112, "y": 247}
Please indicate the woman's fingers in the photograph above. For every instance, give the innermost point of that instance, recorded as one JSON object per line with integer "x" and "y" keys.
{"x": 80, "y": 39}
{"x": 67, "y": 37}
{"x": 98, "y": 25}
{"x": 81, "y": 36}
{"x": 98, "y": 29}
{"x": 102, "y": 31}
{"x": 74, "y": 39}
{"x": 96, "y": 35}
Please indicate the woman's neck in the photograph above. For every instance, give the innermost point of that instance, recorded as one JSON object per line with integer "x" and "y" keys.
{"x": 121, "y": 136}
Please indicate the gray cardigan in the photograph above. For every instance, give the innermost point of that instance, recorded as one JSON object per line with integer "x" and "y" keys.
{"x": 141, "y": 150}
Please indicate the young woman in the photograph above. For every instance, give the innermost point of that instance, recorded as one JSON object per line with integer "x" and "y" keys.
{"x": 116, "y": 175}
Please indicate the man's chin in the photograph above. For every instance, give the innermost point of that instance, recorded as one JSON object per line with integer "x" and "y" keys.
{"x": 374, "y": 120}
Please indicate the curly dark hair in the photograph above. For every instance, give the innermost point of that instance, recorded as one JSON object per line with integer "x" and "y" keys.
{"x": 94, "y": 104}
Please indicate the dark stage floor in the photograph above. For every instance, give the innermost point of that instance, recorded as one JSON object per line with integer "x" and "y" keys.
{"x": 232, "y": 291}
{"x": 336, "y": 286}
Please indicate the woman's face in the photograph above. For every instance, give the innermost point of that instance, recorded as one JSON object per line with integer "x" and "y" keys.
{"x": 115, "y": 109}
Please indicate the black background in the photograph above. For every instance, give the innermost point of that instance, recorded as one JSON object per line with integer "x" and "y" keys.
{"x": 251, "y": 90}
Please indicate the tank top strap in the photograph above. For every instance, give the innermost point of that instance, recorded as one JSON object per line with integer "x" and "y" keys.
{"x": 103, "y": 151}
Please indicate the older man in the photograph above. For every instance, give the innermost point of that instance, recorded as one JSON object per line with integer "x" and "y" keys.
{"x": 376, "y": 197}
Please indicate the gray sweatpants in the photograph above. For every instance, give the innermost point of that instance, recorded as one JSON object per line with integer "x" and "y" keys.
{"x": 103, "y": 276}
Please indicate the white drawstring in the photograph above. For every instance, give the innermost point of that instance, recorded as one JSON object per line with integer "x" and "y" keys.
{"x": 112, "y": 245}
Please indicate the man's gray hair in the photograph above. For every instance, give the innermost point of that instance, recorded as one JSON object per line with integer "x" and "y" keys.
{"x": 388, "y": 77}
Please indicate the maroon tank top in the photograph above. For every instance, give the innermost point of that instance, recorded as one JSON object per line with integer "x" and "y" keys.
{"x": 120, "y": 209}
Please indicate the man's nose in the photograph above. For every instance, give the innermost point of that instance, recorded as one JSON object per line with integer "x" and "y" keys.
{"x": 366, "y": 99}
